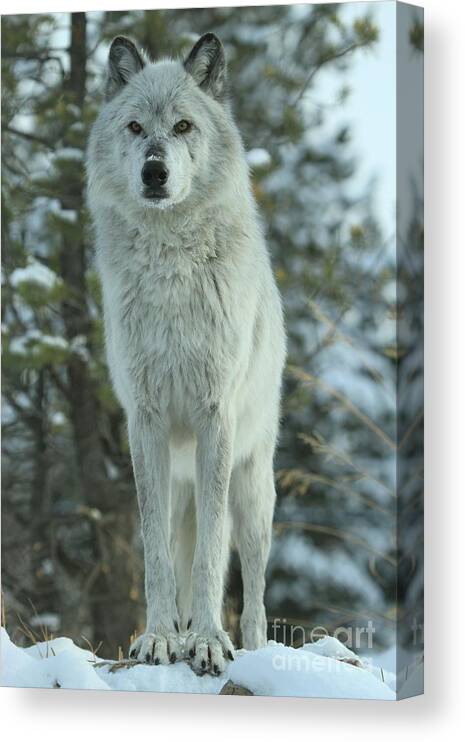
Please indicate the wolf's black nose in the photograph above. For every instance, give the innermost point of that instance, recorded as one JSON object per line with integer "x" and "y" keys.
{"x": 154, "y": 173}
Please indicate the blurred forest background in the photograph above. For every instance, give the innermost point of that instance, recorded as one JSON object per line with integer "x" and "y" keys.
{"x": 72, "y": 560}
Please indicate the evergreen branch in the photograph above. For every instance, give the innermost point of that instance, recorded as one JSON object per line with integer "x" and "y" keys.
{"x": 33, "y": 54}
{"x": 28, "y": 415}
{"x": 322, "y": 63}
{"x": 36, "y": 56}
{"x": 59, "y": 383}
{"x": 29, "y": 137}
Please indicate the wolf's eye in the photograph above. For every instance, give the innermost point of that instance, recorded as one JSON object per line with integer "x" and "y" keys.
{"x": 135, "y": 127}
{"x": 182, "y": 126}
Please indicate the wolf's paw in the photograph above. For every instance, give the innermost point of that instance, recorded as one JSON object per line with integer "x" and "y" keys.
{"x": 207, "y": 651}
{"x": 159, "y": 648}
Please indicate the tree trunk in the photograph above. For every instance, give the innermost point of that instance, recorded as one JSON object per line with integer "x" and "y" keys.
{"x": 109, "y": 584}
{"x": 43, "y": 581}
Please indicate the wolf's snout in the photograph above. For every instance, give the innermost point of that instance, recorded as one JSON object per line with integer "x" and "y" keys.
{"x": 154, "y": 174}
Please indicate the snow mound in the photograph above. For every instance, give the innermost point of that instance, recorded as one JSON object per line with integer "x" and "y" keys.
{"x": 55, "y": 664}
{"x": 329, "y": 646}
{"x": 275, "y": 670}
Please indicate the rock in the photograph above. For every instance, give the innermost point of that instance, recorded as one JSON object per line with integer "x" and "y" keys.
{"x": 231, "y": 689}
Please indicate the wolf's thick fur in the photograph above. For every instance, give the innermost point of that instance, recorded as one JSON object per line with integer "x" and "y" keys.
{"x": 195, "y": 342}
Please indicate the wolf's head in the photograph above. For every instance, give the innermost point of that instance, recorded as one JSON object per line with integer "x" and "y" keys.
{"x": 165, "y": 133}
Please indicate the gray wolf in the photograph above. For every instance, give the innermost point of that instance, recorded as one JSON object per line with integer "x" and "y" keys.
{"x": 194, "y": 339}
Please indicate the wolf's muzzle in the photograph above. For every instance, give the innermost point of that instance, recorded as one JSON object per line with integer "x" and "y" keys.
{"x": 154, "y": 176}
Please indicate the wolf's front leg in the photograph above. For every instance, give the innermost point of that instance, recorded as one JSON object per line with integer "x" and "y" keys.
{"x": 151, "y": 462}
{"x": 208, "y": 644}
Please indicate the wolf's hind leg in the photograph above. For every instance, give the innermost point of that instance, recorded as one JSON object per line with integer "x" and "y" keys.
{"x": 252, "y": 498}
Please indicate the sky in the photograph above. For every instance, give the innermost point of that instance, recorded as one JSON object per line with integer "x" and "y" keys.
{"x": 370, "y": 110}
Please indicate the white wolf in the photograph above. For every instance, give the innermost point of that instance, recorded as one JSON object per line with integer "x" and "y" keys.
{"x": 194, "y": 338}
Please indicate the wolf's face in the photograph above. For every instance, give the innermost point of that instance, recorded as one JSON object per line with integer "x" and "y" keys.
{"x": 165, "y": 131}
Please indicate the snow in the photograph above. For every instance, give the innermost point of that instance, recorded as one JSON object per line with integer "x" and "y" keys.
{"x": 58, "y": 663}
{"x": 78, "y": 345}
{"x": 58, "y": 419}
{"x": 53, "y": 206}
{"x": 69, "y": 153}
{"x": 33, "y": 340}
{"x": 276, "y": 670}
{"x": 258, "y": 157}
{"x": 386, "y": 658}
{"x": 69, "y": 215}
{"x": 35, "y": 273}
{"x": 382, "y": 663}
{"x": 329, "y": 646}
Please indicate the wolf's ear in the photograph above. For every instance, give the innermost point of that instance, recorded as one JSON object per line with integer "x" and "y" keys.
{"x": 207, "y": 65}
{"x": 123, "y": 62}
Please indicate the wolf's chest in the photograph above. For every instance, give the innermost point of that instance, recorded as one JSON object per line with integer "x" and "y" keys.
{"x": 166, "y": 314}
{"x": 173, "y": 321}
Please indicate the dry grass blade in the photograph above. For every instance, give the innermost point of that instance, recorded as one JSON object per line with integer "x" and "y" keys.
{"x": 28, "y": 632}
{"x": 46, "y": 636}
{"x": 91, "y": 648}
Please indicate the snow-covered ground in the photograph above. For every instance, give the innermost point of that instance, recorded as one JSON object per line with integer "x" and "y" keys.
{"x": 325, "y": 669}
